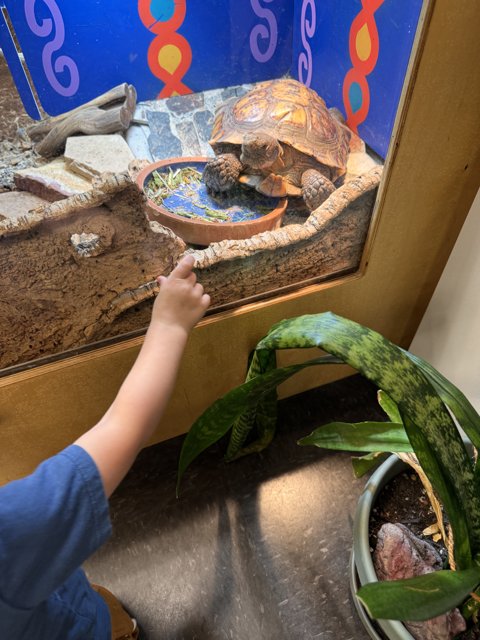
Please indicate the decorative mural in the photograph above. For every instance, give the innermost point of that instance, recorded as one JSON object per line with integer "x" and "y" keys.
{"x": 264, "y": 35}
{"x": 364, "y": 47}
{"x": 355, "y": 54}
{"x": 308, "y": 24}
{"x": 54, "y": 63}
{"x": 75, "y": 51}
{"x": 169, "y": 54}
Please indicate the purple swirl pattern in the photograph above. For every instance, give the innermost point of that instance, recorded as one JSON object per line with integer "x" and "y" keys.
{"x": 263, "y": 33}
{"x": 52, "y": 66}
{"x": 308, "y": 24}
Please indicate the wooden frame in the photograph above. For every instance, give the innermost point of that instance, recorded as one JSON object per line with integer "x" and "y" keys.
{"x": 430, "y": 181}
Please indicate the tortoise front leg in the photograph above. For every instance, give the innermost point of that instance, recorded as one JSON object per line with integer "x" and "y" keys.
{"x": 315, "y": 188}
{"x": 222, "y": 172}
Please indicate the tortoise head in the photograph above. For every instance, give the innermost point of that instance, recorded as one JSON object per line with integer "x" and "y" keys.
{"x": 260, "y": 150}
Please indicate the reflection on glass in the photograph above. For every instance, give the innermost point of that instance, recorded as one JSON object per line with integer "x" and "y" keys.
{"x": 287, "y": 171}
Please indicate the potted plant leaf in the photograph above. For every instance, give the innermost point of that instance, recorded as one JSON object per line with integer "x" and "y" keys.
{"x": 421, "y": 402}
{"x": 376, "y": 439}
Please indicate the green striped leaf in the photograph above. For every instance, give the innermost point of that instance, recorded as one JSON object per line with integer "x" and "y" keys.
{"x": 387, "y": 366}
{"x": 217, "y": 420}
{"x": 265, "y": 425}
{"x": 471, "y": 606}
{"x": 260, "y": 363}
{"x": 444, "y": 488}
{"x": 419, "y": 598}
{"x": 460, "y": 406}
{"x": 360, "y": 436}
{"x": 389, "y": 406}
{"x": 431, "y": 430}
{"x": 363, "y": 464}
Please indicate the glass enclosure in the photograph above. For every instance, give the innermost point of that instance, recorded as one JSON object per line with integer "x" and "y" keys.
{"x": 205, "y": 84}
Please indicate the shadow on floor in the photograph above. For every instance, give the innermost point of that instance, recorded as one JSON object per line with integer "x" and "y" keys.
{"x": 255, "y": 549}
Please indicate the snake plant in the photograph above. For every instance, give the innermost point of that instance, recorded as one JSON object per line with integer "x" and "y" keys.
{"x": 420, "y": 403}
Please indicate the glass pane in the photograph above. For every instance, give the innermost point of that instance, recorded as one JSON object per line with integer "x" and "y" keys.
{"x": 262, "y": 127}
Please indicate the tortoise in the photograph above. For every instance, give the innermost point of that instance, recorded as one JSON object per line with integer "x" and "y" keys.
{"x": 281, "y": 139}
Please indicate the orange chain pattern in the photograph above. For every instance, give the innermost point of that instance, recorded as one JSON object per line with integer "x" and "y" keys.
{"x": 169, "y": 55}
{"x": 364, "y": 46}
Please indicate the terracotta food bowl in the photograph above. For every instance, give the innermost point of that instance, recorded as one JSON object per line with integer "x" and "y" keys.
{"x": 197, "y": 217}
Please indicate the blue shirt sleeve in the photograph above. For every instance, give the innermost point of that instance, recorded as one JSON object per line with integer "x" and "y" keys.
{"x": 50, "y": 523}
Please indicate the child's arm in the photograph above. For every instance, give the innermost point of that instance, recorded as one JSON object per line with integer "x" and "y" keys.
{"x": 114, "y": 442}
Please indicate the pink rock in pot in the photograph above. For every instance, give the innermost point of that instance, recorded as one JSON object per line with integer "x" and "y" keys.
{"x": 400, "y": 554}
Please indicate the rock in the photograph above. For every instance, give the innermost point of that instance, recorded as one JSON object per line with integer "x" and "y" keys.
{"x": 52, "y": 181}
{"x": 400, "y": 554}
{"x": 232, "y": 92}
{"x": 162, "y": 141}
{"x": 203, "y": 121}
{"x": 17, "y": 204}
{"x": 91, "y": 156}
{"x": 137, "y": 140}
{"x": 443, "y": 627}
{"x": 86, "y": 244}
{"x": 14, "y": 155}
{"x": 359, "y": 163}
{"x": 186, "y": 104}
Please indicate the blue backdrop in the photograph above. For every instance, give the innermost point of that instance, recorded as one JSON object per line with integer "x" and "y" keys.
{"x": 77, "y": 50}
{"x": 354, "y": 53}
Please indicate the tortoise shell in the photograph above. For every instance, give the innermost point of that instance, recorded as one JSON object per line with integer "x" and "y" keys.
{"x": 290, "y": 112}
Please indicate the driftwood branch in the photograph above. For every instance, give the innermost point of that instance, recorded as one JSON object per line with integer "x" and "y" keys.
{"x": 103, "y": 189}
{"x": 129, "y": 299}
{"x": 130, "y": 99}
{"x": 289, "y": 235}
{"x": 90, "y": 119}
{"x": 120, "y": 93}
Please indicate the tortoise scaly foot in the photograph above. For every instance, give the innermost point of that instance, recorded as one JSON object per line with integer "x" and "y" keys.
{"x": 222, "y": 172}
{"x": 315, "y": 188}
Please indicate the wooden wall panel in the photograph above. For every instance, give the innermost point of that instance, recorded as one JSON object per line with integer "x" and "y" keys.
{"x": 431, "y": 178}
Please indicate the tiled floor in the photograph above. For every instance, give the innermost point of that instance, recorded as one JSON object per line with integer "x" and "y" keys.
{"x": 253, "y": 550}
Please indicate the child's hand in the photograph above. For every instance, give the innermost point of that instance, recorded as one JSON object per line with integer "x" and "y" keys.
{"x": 181, "y": 301}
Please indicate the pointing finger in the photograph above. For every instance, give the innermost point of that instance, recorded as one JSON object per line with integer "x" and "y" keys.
{"x": 205, "y": 301}
{"x": 183, "y": 268}
{"x": 191, "y": 279}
